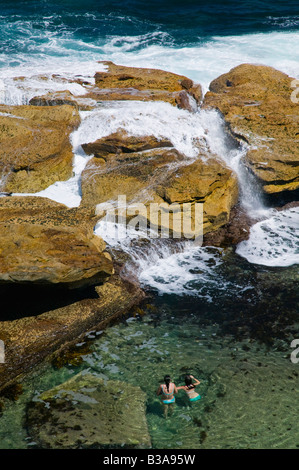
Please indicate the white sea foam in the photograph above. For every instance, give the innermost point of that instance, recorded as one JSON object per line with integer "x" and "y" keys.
{"x": 37, "y": 80}
{"x": 273, "y": 241}
{"x": 201, "y": 62}
{"x": 168, "y": 268}
{"x": 208, "y": 60}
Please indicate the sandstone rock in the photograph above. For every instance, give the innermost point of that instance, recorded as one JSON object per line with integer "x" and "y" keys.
{"x": 59, "y": 98}
{"x": 88, "y": 412}
{"x": 43, "y": 242}
{"x": 131, "y": 83}
{"x": 236, "y": 230}
{"x": 256, "y": 103}
{"x": 161, "y": 176}
{"x": 122, "y": 142}
{"x": 35, "y": 146}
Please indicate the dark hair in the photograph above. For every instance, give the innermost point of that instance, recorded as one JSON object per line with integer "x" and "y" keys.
{"x": 167, "y": 381}
{"x": 188, "y": 381}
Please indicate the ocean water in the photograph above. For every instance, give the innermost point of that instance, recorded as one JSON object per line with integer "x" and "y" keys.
{"x": 227, "y": 316}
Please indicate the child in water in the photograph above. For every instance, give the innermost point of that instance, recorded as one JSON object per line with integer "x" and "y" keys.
{"x": 189, "y": 388}
{"x": 167, "y": 390}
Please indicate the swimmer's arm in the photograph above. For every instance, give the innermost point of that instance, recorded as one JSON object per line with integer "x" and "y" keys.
{"x": 197, "y": 382}
{"x": 159, "y": 390}
{"x": 181, "y": 388}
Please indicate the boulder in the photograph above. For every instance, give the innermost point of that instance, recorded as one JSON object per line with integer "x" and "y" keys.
{"x": 122, "y": 142}
{"x": 87, "y": 412}
{"x": 256, "y": 103}
{"x": 159, "y": 175}
{"x": 44, "y": 242}
{"x": 206, "y": 182}
{"x": 33, "y": 339}
{"x": 35, "y": 147}
{"x": 59, "y": 98}
{"x": 131, "y": 83}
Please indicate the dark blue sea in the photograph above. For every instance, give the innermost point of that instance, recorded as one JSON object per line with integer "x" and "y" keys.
{"x": 226, "y": 316}
{"x": 199, "y": 38}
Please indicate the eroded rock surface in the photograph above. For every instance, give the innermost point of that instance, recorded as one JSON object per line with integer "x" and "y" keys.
{"x": 256, "y": 103}
{"x": 44, "y": 242}
{"x": 143, "y": 84}
{"x": 122, "y": 166}
{"x": 35, "y": 147}
{"x": 32, "y": 339}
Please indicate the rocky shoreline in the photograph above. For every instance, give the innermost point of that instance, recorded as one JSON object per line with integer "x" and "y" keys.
{"x": 47, "y": 245}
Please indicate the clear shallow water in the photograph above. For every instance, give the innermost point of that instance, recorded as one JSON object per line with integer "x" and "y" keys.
{"x": 224, "y": 317}
{"x": 243, "y": 382}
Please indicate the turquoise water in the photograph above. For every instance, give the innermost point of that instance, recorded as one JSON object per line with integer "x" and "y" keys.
{"x": 249, "y": 385}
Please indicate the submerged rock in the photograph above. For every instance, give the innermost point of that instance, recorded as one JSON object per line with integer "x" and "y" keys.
{"x": 35, "y": 147}
{"x": 88, "y": 412}
{"x": 256, "y": 103}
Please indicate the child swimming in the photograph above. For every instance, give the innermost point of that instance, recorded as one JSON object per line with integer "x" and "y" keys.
{"x": 189, "y": 388}
{"x": 167, "y": 390}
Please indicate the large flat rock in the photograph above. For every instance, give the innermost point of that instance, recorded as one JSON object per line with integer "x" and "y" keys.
{"x": 43, "y": 242}
{"x": 144, "y": 84}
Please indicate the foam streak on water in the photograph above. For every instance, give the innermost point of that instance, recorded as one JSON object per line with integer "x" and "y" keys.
{"x": 273, "y": 241}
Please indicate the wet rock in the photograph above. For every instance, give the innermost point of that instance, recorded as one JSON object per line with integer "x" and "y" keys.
{"x": 35, "y": 147}
{"x": 33, "y": 339}
{"x": 159, "y": 175}
{"x": 232, "y": 233}
{"x": 122, "y": 142}
{"x": 131, "y": 83}
{"x": 256, "y": 103}
{"x": 88, "y": 412}
{"x": 59, "y": 98}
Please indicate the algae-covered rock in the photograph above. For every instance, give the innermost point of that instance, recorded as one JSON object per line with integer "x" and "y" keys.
{"x": 35, "y": 147}
{"x": 89, "y": 412}
{"x": 256, "y": 103}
